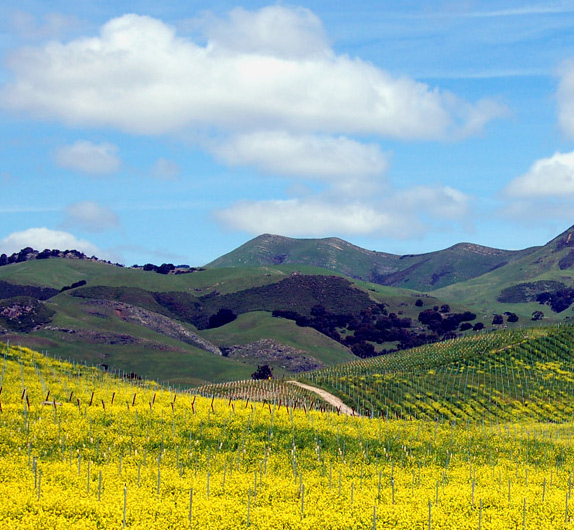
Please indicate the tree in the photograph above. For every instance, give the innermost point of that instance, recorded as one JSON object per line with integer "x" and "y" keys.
{"x": 419, "y": 302}
{"x": 497, "y": 320}
{"x": 430, "y": 318}
{"x": 222, "y": 317}
{"x": 478, "y": 326}
{"x": 263, "y": 371}
{"x": 512, "y": 317}
{"x": 165, "y": 268}
{"x": 363, "y": 349}
{"x": 537, "y": 315}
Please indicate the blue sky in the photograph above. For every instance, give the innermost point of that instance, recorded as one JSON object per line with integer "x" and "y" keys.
{"x": 175, "y": 131}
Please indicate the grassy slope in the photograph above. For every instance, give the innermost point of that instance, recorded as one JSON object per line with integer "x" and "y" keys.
{"x": 422, "y": 271}
{"x": 505, "y": 376}
{"x": 481, "y": 293}
{"x": 155, "y": 356}
{"x": 257, "y": 325}
{"x": 499, "y": 376}
{"x": 176, "y": 361}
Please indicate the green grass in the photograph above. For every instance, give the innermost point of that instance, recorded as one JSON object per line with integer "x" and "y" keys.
{"x": 251, "y": 327}
{"x": 59, "y": 272}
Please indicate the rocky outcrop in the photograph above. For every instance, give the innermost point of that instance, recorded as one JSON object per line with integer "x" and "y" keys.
{"x": 271, "y": 351}
{"x": 153, "y": 321}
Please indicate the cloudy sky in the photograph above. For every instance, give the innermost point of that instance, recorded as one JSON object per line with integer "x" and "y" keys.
{"x": 175, "y": 131}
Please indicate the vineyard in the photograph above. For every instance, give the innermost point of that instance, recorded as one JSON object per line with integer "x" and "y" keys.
{"x": 503, "y": 376}
{"x": 84, "y": 450}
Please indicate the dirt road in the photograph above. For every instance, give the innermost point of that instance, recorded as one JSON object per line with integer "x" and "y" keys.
{"x": 328, "y": 397}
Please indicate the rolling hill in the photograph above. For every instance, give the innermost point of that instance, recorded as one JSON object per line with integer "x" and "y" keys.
{"x": 423, "y": 272}
{"x": 294, "y": 305}
{"x": 168, "y": 326}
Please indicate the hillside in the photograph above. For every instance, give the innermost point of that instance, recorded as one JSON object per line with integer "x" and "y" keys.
{"x": 206, "y": 325}
{"x": 505, "y": 376}
{"x": 423, "y": 272}
{"x": 542, "y": 280}
{"x": 83, "y": 450}
{"x": 192, "y": 326}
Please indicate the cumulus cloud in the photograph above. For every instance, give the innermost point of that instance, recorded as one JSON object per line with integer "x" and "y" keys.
{"x": 165, "y": 169}
{"x": 339, "y": 160}
{"x": 397, "y": 215}
{"x": 91, "y": 217}
{"x": 41, "y": 238}
{"x": 88, "y": 157}
{"x": 547, "y": 177}
{"x": 279, "y": 31}
{"x": 262, "y": 70}
{"x": 438, "y": 202}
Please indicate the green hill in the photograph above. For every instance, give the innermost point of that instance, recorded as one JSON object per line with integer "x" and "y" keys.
{"x": 422, "y": 272}
{"x": 547, "y": 271}
{"x": 294, "y": 305}
{"x": 506, "y": 376}
{"x": 169, "y": 326}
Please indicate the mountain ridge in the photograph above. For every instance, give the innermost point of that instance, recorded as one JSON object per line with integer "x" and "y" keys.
{"x": 426, "y": 271}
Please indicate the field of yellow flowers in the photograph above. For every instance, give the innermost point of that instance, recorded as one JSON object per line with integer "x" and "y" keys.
{"x": 80, "y": 449}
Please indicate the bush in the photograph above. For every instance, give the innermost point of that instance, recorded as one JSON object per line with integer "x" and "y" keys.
{"x": 222, "y": 317}
{"x": 263, "y": 371}
{"x": 537, "y": 315}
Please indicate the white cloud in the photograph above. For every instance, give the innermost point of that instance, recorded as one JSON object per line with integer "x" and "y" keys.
{"x": 565, "y": 98}
{"x": 91, "y": 217}
{"x": 538, "y": 212}
{"x": 276, "y": 30}
{"x": 42, "y": 238}
{"x": 396, "y": 215}
{"x": 165, "y": 169}
{"x": 547, "y": 177}
{"x": 438, "y": 202}
{"x": 339, "y": 160}
{"x": 269, "y": 69}
{"x": 88, "y": 157}
{"x": 298, "y": 217}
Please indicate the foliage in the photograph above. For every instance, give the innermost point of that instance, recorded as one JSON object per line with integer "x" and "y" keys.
{"x": 263, "y": 372}
{"x": 10, "y": 290}
{"x": 222, "y": 317}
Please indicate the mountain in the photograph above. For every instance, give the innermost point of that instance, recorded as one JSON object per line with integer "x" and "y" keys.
{"x": 423, "y": 272}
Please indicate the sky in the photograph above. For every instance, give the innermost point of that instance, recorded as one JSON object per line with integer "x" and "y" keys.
{"x": 175, "y": 131}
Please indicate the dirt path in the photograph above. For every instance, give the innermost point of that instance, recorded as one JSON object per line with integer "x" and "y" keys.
{"x": 328, "y": 397}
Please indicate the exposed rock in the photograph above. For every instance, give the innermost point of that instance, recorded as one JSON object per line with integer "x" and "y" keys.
{"x": 154, "y": 321}
{"x": 271, "y": 351}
